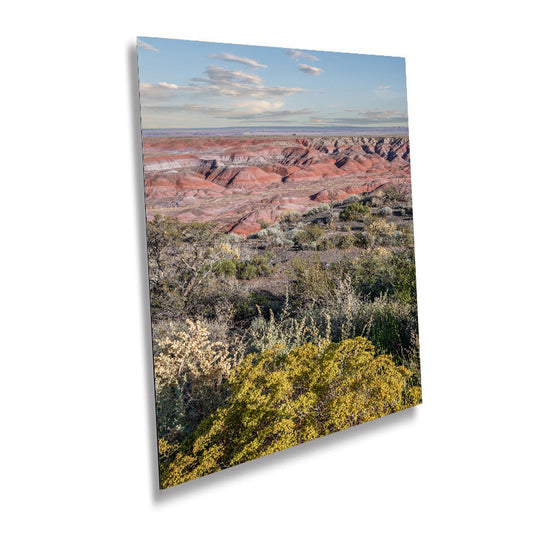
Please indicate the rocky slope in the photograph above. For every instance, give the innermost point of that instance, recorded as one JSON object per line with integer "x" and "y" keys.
{"x": 240, "y": 181}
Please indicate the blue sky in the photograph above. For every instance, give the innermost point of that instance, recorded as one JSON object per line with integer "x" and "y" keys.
{"x": 193, "y": 84}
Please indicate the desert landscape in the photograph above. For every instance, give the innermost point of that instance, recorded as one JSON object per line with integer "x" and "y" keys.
{"x": 280, "y": 247}
{"x": 266, "y": 254}
{"x": 241, "y": 181}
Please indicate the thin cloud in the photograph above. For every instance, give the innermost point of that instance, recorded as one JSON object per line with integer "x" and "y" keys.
{"x": 311, "y": 71}
{"x": 271, "y": 114}
{"x": 162, "y": 91}
{"x": 236, "y": 59}
{"x": 218, "y": 81}
{"x": 168, "y": 85}
{"x": 225, "y": 82}
{"x": 248, "y": 111}
{"x": 374, "y": 115}
{"x": 300, "y": 54}
{"x": 225, "y": 76}
{"x": 190, "y": 108}
{"x": 146, "y": 46}
{"x": 369, "y": 118}
{"x": 260, "y": 106}
{"x": 387, "y": 91}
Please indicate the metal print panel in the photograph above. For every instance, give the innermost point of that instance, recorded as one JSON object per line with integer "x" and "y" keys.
{"x": 280, "y": 243}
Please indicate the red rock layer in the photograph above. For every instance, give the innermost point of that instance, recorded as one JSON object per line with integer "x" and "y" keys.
{"x": 239, "y": 181}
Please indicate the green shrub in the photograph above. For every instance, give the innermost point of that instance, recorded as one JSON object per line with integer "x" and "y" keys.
{"x": 391, "y": 325}
{"x": 404, "y": 277}
{"x": 403, "y": 236}
{"x": 257, "y": 266}
{"x": 288, "y": 216}
{"x": 278, "y": 401}
{"x": 376, "y": 274}
{"x": 327, "y": 244}
{"x": 348, "y": 200}
{"x": 285, "y": 331}
{"x": 291, "y": 233}
{"x": 247, "y": 271}
{"x": 273, "y": 235}
{"x": 232, "y": 238}
{"x": 311, "y": 284}
{"x": 394, "y": 194}
{"x": 279, "y": 242}
{"x": 373, "y": 200}
{"x": 376, "y": 200}
{"x": 323, "y": 207}
{"x": 247, "y": 308}
{"x": 344, "y": 242}
{"x": 311, "y": 233}
{"x": 181, "y": 259}
{"x": 225, "y": 267}
{"x": 269, "y": 231}
{"x": 354, "y": 211}
{"x": 385, "y": 211}
{"x": 343, "y": 312}
{"x": 361, "y": 239}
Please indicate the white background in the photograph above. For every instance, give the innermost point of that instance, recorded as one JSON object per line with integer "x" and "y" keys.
{"x": 78, "y": 445}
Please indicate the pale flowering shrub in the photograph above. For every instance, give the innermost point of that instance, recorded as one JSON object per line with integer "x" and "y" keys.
{"x": 377, "y": 252}
{"x": 234, "y": 238}
{"x": 322, "y": 208}
{"x": 190, "y": 373}
{"x": 380, "y": 228}
{"x": 291, "y": 233}
{"x": 288, "y": 216}
{"x": 381, "y": 232}
{"x": 348, "y": 200}
{"x": 228, "y": 251}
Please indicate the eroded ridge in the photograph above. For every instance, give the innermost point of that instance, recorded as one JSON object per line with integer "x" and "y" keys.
{"x": 240, "y": 181}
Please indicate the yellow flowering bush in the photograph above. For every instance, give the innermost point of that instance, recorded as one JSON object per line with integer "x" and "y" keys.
{"x": 227, "y": 250}
{"x": 378, "y": 251}
{"x": 380, "y": 228}
{"x": 279, "y": 400}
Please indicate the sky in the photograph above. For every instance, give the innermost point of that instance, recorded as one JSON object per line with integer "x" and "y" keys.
{"x": 194, "y": 84}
